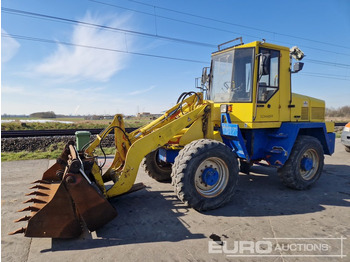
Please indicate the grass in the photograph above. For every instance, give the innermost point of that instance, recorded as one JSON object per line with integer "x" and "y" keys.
{"x": 77, "y": 124}
{"x": 52, "y": 152}
{"x": 45, "y": 126}
{"x": 26, "y": 155}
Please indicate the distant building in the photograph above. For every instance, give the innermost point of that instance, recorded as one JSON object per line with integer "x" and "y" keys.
{"x": 148, "y": 115}
{"x": 144, "y": 114}
{"x": 98, "y": 117}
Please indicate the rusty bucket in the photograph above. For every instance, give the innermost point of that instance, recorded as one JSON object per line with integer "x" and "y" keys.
{"x": 64, "y": 200}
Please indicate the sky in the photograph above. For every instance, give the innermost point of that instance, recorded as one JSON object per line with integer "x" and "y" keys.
{"x": 129, "y": 56}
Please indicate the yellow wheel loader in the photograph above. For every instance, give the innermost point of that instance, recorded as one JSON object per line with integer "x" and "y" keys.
{"x": 246, "y": 114}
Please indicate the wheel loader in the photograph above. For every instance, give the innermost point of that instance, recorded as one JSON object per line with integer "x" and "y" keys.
{"x": 245, "y": 114}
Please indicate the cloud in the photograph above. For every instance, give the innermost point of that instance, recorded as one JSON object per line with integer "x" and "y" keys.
{"x": 79, "y": 63}
{"x": 9, "y": 47}
{"x": 27, "y": 99}
{"x": 137, "y": 92}
{"x": 11, "y": 90}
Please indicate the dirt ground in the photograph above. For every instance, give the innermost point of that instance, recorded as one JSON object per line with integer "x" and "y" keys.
{"x": 153, "y": 225}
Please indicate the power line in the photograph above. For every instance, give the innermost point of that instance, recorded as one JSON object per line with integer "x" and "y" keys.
{"x": 172, "y": 19}
{"x": 327, "y": 63}
{"x": 49, "y": 17}
{"x": 330, "y": 75}
{"x": 219, "y": 29}
{"x": 81, "y": 23}
{"x": 230, "y": 23}
{"x": 29, "y": 38}
{"x": 325, "y": 76}
{"x": 103, "y": 27}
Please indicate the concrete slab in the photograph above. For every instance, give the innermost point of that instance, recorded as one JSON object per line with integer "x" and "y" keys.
{"x": 153, "y": 225}
{"x": 15, "y": 182}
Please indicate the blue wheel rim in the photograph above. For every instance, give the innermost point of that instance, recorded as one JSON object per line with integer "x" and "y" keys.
{"x": 211, "y": 177}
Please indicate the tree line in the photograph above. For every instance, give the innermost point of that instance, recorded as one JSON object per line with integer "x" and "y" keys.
{"x": 338, "y": 112}
{"x": 49, "y": 114}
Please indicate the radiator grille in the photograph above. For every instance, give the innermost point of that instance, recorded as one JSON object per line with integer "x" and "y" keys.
{"x": 317, "y": 113}
{"x": 304, "y": 113}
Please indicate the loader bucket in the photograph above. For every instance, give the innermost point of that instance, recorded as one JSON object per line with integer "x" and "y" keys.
{"x": 63, "y": 201}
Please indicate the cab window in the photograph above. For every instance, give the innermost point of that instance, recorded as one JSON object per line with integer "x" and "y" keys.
{"x": 231, "y": 76}
{"x": 269, "y": 83}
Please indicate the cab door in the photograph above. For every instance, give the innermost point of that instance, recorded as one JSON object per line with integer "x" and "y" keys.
{"x": 268, "y": 100}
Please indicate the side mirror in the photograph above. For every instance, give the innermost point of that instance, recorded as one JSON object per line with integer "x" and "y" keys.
{"x": 264, "y": 64}
{"x": 298, "y": 66}
{"x": 205, "y": 76}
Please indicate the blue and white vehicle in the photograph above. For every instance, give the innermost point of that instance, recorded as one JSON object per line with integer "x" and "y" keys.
{"x": 345, "y": 137}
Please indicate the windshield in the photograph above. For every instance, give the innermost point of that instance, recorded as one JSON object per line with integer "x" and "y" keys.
{"x": 231, "y": 76}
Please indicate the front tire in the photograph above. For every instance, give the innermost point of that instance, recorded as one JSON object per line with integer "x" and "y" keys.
{"x": 305, "y": 164}
{"x": 159, "y": 171}
{"x": 205, "y": 174}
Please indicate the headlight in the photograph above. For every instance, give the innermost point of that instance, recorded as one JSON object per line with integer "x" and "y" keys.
{"x": 225, "y": 108}
{"x": 347, "y": 128}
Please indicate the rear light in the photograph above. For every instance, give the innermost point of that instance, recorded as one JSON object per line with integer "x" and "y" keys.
{"x": 347, "y": 127}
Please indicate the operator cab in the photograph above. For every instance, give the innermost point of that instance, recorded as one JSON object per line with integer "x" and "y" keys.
{"x": 232, "y": 74}
{"x": 254, "y": 79}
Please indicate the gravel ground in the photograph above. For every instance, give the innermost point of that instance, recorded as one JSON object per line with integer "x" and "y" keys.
{"x": 153, "y": 225}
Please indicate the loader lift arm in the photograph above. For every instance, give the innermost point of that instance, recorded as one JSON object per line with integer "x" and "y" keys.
{"x": 132, "y": 148}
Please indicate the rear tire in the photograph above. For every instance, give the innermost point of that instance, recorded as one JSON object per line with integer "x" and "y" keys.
{"x": 156, "y": 170}
{"x": 305, "y": 164}
{"x": 205, "y": 174}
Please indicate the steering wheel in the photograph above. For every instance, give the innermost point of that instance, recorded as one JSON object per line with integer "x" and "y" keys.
{"x": 228, "y": 85}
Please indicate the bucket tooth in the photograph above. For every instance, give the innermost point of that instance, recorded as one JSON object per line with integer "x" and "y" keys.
{"x": 35, "y": 200}
{"x": 18, "y": 231}
{"x": 39, "y": 187}
{"x": 37, "y": 193}
{"x": 58, "y": 218}
{"x": 41, "y": 181}
{"x": 30, "y": 208}
{"x": 25, "y": 218}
